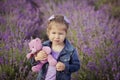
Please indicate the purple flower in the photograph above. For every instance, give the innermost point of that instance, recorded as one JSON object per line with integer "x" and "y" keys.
{"x": 117, "y": 77}
{"x": 87, "y": 50}
{"x": 92, "y": 32}
{"x": 1, "y": 60}
{"x": 92, "y": 66}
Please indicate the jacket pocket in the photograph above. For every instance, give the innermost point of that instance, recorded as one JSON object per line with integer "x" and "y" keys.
{"x": 65, "y": 58}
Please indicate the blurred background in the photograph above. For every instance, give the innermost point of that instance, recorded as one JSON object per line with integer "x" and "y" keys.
{"x": 94, "y": 31}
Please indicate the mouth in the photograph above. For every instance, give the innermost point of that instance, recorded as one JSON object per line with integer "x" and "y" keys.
{"x": 56, "y": 40}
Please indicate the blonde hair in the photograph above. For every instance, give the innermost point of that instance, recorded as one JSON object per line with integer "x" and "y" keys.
{"x": 57, "y": 19}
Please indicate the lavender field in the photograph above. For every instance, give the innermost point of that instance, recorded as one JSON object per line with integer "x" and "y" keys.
{"x": 95, "y": 33}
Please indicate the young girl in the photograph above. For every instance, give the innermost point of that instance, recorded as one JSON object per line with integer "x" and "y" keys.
{"x": 62, "y": 50}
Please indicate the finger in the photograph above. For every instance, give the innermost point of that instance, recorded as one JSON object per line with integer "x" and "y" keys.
{"x": 35, "y": 58}
{"x": 45, "y": 55}
{"x": 58, "y": 66}
{"x": 44, "y": 58}
{"x": 43, "y": 52}
{"x": 40, "y": 52}
{"x": 59, "y": 63}
{"x": 59, "y": 69}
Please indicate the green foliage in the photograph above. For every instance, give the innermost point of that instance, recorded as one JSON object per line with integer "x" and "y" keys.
{"x": 14, "y": 65}
{"x": 113, "y": 4}
{"x": 115, "y": 11}
{"x": 99, "y": 3}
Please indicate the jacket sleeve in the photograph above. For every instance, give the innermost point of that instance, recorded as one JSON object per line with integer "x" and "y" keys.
{"x": 33, "y": 62}
{"x": 74, "y": 64}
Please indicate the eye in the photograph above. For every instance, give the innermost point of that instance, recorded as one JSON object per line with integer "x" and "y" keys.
{"x": 53, "y": 32}
{"x": 60, "y": 33}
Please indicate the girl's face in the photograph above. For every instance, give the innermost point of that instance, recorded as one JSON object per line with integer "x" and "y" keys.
{"x": 57, "y": 34}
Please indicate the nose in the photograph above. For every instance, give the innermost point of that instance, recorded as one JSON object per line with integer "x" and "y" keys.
{"x": 57, "y": 36}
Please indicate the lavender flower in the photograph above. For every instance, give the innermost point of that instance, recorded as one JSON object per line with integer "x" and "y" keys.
{"x": 94, "y": 33}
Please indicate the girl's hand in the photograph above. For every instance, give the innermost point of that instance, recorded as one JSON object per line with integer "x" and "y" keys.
{"x": 60, "y": 66}
{"x": 41, "y": 56}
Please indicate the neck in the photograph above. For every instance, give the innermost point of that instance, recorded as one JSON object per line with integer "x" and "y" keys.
{"x": 58, "y": 48}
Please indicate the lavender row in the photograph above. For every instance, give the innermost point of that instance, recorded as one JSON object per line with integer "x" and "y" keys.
{"x": 94, "y": 33}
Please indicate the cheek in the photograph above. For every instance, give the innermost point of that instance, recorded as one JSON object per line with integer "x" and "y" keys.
{"x": 64, "y": 36}
{"x": 50, "y": 37}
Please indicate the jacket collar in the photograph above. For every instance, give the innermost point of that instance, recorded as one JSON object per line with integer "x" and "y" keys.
{"x": 68, "y": 45}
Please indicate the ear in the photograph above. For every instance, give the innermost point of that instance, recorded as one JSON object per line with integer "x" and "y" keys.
{"x": 38, "y": 39}
{"x": 31, "y": 38}
{"x": 30, "y": 46}
{"x": 47, "y": 32}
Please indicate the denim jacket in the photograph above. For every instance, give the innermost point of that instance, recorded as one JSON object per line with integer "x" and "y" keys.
{"x": 68, "y": 56}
